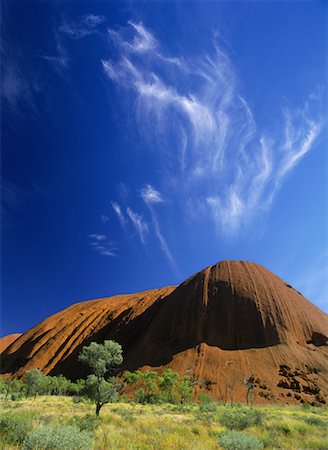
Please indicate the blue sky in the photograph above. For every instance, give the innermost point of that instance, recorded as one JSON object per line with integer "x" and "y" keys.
{"x": 144, "y": 141}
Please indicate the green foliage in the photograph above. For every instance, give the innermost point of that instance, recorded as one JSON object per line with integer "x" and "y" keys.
{"x": 15, "y": 427}
{"x": 317, "y": 421}
{"x": 100, "y": 390}
{"x": 152, "y": 387}
{"x": 65, "y": 437}
{"x": 102, "y": 358}
{"x": 204, "y": 398}
{"x": 88, "y": 422}
{"x": 239, "y": 419}
{"x": 306, "y": 406}
{"x": 126, "y": 414}
{"x": 207, "y": 407}
{"x": 236, "y": 440}
{"x": 36, "y": 383}
{"x": 13, "y": 389}
{"x": 59, "y": 385}
{"x": 77, "y": 388}
{"x": 167, "y": 383}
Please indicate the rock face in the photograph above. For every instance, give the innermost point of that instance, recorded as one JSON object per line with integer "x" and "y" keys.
{"x": 227, "y": 323}
{"x": 7, "y": 340}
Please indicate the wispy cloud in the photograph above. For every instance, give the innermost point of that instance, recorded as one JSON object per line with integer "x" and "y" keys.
{"x": 101, "y": 244}
{"x": 20, "y": 83}
{"x": 59, "y": 60}
{"x": 74, "y": 29}
{"x": 116, "y": 207}
{"x": 139, "y": 223}
{"x": 223, "y": 164}
{"x": 104, "y": 218}
{"x": 82, "y": 27}
{"x": 151, "y": 196}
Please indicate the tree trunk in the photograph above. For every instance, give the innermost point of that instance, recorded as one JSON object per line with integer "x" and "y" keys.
{"x": 98, "y": 407}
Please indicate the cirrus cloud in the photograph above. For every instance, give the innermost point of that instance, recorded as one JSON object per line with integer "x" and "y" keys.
{"x": 221, "y": 163}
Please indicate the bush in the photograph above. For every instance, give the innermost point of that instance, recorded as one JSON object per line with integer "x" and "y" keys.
{"x": 239, "y": 419}
{"x": 306, "y": 405}
{"x": 207, "y": 407}
{"x": 317, "y": 421}
{"x": 236, "y": 440}
{"x": 204, "y": 398}
{"x": 66, "y": 437}
{"x": 15, "y": 427}
{"x": 90, "y": 422}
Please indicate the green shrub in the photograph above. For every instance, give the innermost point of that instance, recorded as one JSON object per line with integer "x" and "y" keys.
{"x": 236, "y": 440}
{"x": 90, "y": 422}
{"x": 239, "y": 419}
{"x": 318, "y": 444}
{"x": 207, "y": 407}
{"x": 315, "y": 421}
{"x": 38, "y": 439}
{"x": 204, "y": 398}
{"x": 15, "y": 427}
{"x": 66, "y": 437}
{"x": 306, "y": 405}
{"x": 142, "y": 396}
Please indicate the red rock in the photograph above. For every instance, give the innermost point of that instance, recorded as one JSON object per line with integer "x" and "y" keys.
{"x": 227, "y": 322}
{"x": 8, "y": 340}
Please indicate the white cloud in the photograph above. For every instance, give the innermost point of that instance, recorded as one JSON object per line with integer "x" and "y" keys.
{"x": 60, "y": 60}
{"x": 150, "y": 195}
{"x": 162, "y": 241}
{"x": 82, "y": 27}
{"x": 143, "y": 40}
{"x": 92, "y": 20}
{"x": 138, "y": 222}
{"x": 116, "y": 207}
{"x": 101, "y": 244}
{"x": 221, "y": 160}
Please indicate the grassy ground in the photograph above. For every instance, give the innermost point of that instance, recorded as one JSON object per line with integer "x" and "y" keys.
{"x": 132, "y": 426}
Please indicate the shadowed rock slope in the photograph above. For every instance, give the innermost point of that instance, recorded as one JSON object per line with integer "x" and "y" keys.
{"x": 228, "y": 322}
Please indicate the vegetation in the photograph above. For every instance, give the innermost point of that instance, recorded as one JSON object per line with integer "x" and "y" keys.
{"x": 239, "y": 419}
{"x": 131, "y": 425}
{"x": 158, "y": 410}
{"x": 153, "y": 387}
{"x": 102, "y": 359}
{"x": 236, "y": 440}
{"x": 66, "y": 437}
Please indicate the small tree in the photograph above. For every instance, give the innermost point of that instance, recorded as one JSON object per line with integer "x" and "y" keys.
{"x": 36, "y": 383}
{"x": 102, "y": 359}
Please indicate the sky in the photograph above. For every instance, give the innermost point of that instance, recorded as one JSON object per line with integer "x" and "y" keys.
{"x": 144, "y": 141}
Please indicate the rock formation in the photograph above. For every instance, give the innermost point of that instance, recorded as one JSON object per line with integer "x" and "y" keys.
{"x": 7, "y": 340}
{"x": 228, "y": 323}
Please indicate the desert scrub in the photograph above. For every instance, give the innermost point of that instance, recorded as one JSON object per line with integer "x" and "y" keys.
{"x": 236, "y": 440}
{"x": 239, "y": 419}
{"x": 318, "y": 444}
{"x": 89, "y": 422}
{"x": 316, "y": 421}
{"x": 67, "y": 437}
{"x": 14, "y": 427}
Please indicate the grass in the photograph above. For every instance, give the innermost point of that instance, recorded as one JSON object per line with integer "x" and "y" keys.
{"x": 133, "y": 426}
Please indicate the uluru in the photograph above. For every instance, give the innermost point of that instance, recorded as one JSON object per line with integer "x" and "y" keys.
{"x": 229, "y": 322}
